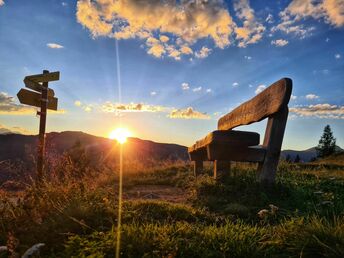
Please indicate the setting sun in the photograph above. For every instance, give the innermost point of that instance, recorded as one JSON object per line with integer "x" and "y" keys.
{"x": 120, "y": 135}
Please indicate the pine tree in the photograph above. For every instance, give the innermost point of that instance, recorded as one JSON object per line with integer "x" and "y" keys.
{"x": 297, "y": 159}
{"x": 327, "y": 143}
{"x": 288, "y": 158}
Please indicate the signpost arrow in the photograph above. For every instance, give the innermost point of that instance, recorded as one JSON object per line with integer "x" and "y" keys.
{"x": 45, "y": 77}
{"x": 34, "y": 99}
{"x": 37, "y": 87}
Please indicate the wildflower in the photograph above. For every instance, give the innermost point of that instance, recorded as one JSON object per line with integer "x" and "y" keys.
{"x": 273, "y": 208}
{"x": 263, "y": 213}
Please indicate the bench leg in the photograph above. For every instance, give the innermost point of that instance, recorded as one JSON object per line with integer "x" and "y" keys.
{"x": 273, "y": 142}
{"x": 198, "y": 167}
{"x": 220, "y": 168}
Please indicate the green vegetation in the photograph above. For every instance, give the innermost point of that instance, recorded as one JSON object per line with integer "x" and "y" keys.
{"x": 327, "y": 143}
{"x": 76, "y": 215}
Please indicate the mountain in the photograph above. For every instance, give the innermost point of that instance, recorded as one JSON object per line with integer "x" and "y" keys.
{"x": 305, "y": 155}
{"x": 22, "y": 147}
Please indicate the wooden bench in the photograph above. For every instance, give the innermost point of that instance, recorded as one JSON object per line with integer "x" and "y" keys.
{"x": 226, "y": 145}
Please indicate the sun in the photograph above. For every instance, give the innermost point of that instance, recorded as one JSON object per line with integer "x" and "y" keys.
{"x": 120, "y": 135}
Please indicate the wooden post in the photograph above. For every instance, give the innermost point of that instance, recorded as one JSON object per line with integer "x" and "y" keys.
{"x": 220, "y": 168}
{"x": 198, "y": 167}
{"x": 273, "y": 142}
{"x": 42, "y": 123}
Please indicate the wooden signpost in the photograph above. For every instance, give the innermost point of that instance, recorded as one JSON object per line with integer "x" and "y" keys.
{"x": 43, "y": 97}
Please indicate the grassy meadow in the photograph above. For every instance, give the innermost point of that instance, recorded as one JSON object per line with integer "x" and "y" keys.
{"x": 169, "y": 213}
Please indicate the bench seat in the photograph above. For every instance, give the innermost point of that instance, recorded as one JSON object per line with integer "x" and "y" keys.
{"x": 228, "y": 145}
{"x": 228, "y": 138}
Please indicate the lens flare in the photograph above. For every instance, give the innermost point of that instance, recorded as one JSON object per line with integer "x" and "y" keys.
{"x": 120, "y": 135}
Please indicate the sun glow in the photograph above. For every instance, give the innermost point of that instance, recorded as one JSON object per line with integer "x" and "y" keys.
{"x": 120, "y": 135}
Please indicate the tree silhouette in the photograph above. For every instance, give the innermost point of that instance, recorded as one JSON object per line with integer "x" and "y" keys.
{"x": 327, "y": 143}
{"x": 297, "y": 159}
{"x": 288, "y": 158}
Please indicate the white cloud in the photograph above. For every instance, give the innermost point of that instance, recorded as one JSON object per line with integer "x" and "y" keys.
{"x": 293, "y": 97}
{"x": 54, "y": 45}
{"x": 64, "y": 4}
{"x": 331, "y": 11}
{"x": 109, "y": 107}
{"x": 87, "y": 108}
{"x": 188, "y": 113}
{"x": 235, "y": 84}
{"x": 260, "y": 88}
{"x": 311, "y": 96}
{"x": 337, "y": 56}
{"x": 203, "y": 53}
{"x": 197, "y": 89}
{"x": 279, "y": 42}
{"x": 153, "y": 93}
{"x": 118, "y": 108}
{"x": 269, "y": 18}
{"x": 248, "y": 57}
{"x": 185, "y": 22}
{"x": 2, "y": 2}
{"x": 252, "y": 30}
{"x": 77, "y": 103}
{"x": 185, "y": 86}
{"x": 325, "y": 111}
{"x": 209, "y": 91}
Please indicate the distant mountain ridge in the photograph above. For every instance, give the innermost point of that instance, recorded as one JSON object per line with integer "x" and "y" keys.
{"x": 20, "y": 147}
{"x": 305, "y": 155}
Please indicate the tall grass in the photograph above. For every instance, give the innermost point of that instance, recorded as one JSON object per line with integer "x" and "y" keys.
{"x": 75, "y": 210}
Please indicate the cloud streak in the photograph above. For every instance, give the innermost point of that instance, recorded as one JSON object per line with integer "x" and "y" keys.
{"x": 325, "y": 111}
{"x": 188, "y": 113}
{"x": 119, "y": 108}
{"x": 54, "y": 46}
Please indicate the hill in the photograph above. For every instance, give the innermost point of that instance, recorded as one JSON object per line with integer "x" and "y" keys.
{"x": 305, "y": 155}
{"x": 20, "y": 147}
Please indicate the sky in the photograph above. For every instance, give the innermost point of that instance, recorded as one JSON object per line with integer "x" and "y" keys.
{"x": 168, "y": 70}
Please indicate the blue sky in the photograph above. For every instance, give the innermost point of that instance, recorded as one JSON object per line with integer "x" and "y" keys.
{"x": 181, "y": 65}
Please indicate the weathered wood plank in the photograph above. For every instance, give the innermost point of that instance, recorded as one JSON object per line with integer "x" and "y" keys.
{"x": 231, "y": 138}
{"x": 273, "y": 142}
{"x": 221, "y": 167}
{"x": 261, "y": 106}
{"x": 244, "y": 154}
{"x": 198, "y": 167}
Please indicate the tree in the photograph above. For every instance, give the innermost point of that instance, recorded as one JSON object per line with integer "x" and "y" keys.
{"x": 297, "y": 159}
{"x": 327, "y": 143}
{"x": 288, "y": 158}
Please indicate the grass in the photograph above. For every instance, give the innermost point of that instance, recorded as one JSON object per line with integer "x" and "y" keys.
{"x": 76, "y": 215}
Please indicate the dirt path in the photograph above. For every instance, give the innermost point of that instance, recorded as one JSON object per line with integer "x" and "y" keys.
{"x": 156, "y": 192}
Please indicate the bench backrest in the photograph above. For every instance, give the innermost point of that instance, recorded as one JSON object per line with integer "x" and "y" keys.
{"x": 265, "y": 104}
